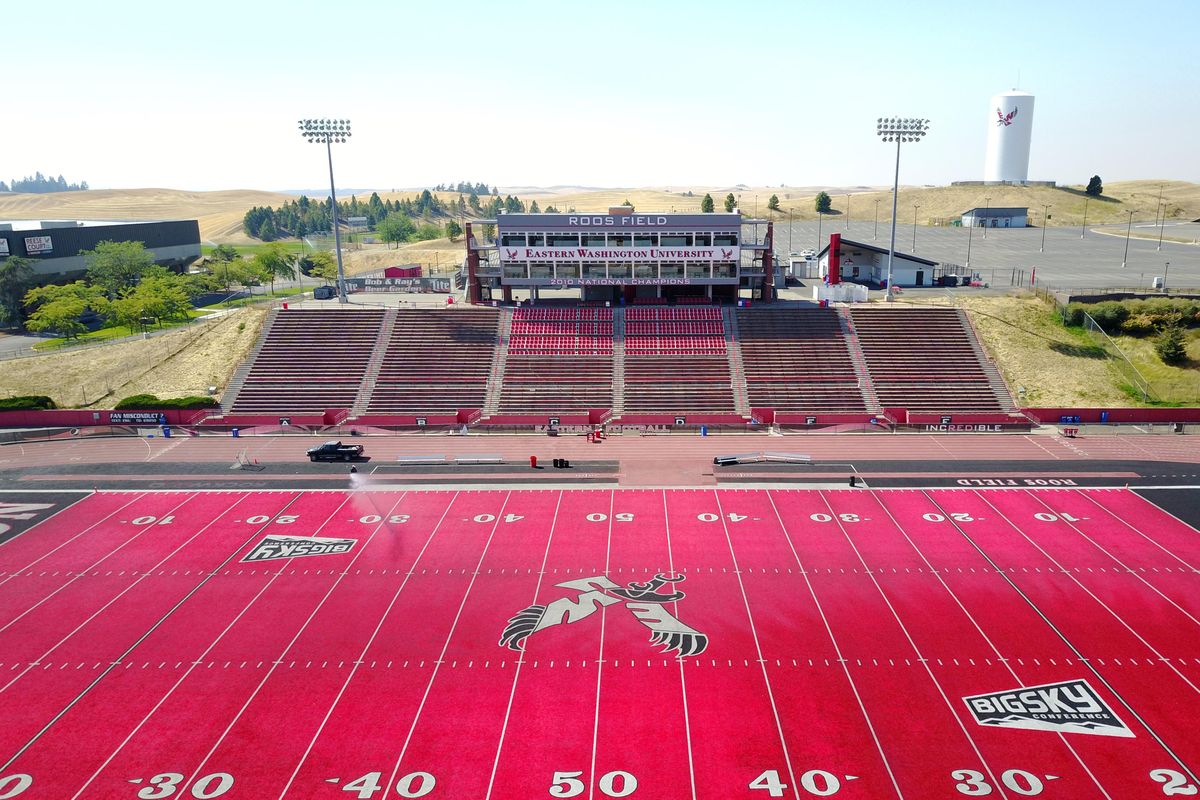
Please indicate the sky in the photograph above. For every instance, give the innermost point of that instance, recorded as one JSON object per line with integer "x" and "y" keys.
{"x": 204, "y": 96}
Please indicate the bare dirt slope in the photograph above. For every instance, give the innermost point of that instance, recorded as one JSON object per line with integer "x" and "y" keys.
{"x": 177, "y": 364}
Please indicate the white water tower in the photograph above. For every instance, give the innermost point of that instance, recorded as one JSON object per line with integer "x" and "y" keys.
{"x": 1010, "y": 128}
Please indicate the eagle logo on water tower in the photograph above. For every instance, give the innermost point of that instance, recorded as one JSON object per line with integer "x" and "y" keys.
{"x": 1003, "y": 119}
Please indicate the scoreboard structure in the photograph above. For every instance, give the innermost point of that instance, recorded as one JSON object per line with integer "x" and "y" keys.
{"x": 620, "y": 255}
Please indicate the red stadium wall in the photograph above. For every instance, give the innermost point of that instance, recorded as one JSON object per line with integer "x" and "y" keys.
{"x": 83, "y": 417}
{"x": 1051, "y": 416}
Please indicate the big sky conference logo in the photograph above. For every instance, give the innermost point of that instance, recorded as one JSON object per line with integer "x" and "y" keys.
{"x": 1067, "y": 707}
{"x": 644, "y": 600}
{"x": 274, "y": 547}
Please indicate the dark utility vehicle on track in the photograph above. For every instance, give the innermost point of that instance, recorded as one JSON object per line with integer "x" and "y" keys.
{"x": 335, "y": 451}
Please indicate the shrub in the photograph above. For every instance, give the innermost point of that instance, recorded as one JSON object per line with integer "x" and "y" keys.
{"x": 148, "y": 402}
{"x": 28, "y": 402}
{"x": 1073, "y": 315}
{"x": 1141, "y": 324}
{"x": 1109, "y": 315}
{"x": 1170, "y": 345}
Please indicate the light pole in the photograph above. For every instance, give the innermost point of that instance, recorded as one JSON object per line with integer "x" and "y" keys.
{"x": 898, "y": 129}
{"x": 1045, "y": 211}
{"x": 875, "y": 235}
{"x": 1157, "y": 204}
{"x": 987, "y": 203}
{"x": 915, "y": 207}
{"x": 1128, "y": 228}
{"x": 1083, "y": 228}
{"x": 789, "y": 233}
{"x": 847, "y": 211}
{"x": 1162, "y": 225}
{"x": 1166, "y": 269}
{"x": 970, "y": 235}
{"x": 820, "y": 219}
{"x": 328, "y": 131}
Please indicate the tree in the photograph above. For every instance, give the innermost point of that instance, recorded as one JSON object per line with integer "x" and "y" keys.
{"x": 274, "y": 261}
{"x": 730, "y": 202}
{"x": 323, "y": 265}
{"x": 1171, "y": 345}
{"x": 395, "y": 228}
{"x": 160, "y": 295}
{"x": 533, "y": 207}
{"x": 1095, "y": 187}
{"x": 16, "y": 276}
{"x": 224, "y": 252}
{"x": 60, "y": 308}
{"x": 823, "y": 203}
{"x": 627, "y": 203}
{"x": 115, "y": 266}
{"x": 453, "y": 230}
{"x": 706, "y": 205}
{"x": 773, "y": 203}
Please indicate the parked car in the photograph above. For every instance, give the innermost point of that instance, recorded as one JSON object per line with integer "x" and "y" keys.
{"x": 335, "y": 451}
{"x": 808, "y": 255}
{"x": 324, "y": 293}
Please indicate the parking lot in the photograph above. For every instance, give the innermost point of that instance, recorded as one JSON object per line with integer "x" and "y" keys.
{"x": 1067, "y": 261}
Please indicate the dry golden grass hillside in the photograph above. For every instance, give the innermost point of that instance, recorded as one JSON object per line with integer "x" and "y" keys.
{"x": 178, "y": 364}
{"x": 219, "y": 213}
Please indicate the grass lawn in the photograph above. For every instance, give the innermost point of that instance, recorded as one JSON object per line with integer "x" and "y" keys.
{"x": 1170, "y": 384}
{"x": 108, "y": 334}
{"x": 281, "y": 292}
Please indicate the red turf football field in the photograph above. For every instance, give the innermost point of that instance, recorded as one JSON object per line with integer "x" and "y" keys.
{"x": 829, "y": 641}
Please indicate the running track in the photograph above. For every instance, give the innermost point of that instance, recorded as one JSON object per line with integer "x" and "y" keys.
{"x": 835, "y": 635}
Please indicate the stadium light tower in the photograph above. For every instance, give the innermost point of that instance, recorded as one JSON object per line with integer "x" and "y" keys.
{"x": 898, "y": 129}
{"x": 327, "y": 132}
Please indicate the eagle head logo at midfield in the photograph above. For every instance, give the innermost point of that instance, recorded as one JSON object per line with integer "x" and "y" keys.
{"x": 1003, "y": 119}
{"x": 644, "y": 600}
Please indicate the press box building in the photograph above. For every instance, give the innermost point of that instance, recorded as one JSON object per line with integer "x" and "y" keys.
{"x": 620, "y": 255}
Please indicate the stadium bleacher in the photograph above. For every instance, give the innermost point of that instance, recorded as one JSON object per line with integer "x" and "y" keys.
{"x": 559, "y": 361}
{"x": 924, "y": 360}
{"x": 676, "y": 361}
{"x": 797, "y": 361}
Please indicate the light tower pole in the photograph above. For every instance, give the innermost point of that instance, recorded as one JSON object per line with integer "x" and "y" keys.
{"x": 915, "y": 207}
{"x": 987, "y": 204}
{"x": 328, "y": 131}
{"x": 875, "y": 235}
{"x": 898, "y": 129}
{"x": 1045, "y": 213}
{"x": 1083, "y": 228}
{"x": 1128, "y": 228}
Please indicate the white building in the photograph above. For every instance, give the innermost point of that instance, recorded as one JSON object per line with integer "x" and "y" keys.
{"x": 868, "y": 264}
{"x": 996, "y": 217}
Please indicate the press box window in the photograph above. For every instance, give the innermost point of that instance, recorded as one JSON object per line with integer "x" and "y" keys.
{"x": 562, "y": 239}
{"x": 676, "y": 239}
{"x": 645, "y": 240}
{"x": 513, "y": 240}
{"x": 593, "y": 240}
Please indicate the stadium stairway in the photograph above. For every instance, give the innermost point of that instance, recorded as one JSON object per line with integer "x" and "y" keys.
{"x": 865, "y": 384}
{"x": 377, "y": 355}
{"x": 737, "y": 370}
{"x": 618, "y": 396}
{"x": 239, "y": 376}
{"x": 491, "y": 398}
{"x": 995, "y": 379}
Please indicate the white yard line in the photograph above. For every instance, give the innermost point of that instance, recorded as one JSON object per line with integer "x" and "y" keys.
{"x": 198, "y": 771}
{"x": 366, "y": 648}
{"x": 687, "y": 725}
{"x": 449, "y": 636}
{"x": 921, "y": 659}
{"x": 1000, "y": 657}
{"x": 520, "y": 661}
{"x": 600, "y": 655}
{"x": 762, "y": 663}
{"x": 836, "y": 647}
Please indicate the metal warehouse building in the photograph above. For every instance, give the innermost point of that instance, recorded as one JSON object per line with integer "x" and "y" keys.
{"x": 54, "y": 246}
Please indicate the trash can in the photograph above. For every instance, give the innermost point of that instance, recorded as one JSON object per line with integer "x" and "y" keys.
{"x": 166, "y": 431}
{"x": 704, "y": 430}
{"x": 533, "y": 462}
{"x": 1103, "y": 416}
{"x": 234, "y": 432}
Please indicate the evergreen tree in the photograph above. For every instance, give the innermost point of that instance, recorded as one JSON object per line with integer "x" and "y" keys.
{"x": 773, "y": 203}
{"x": 1171, "y": 345}
{"x": 533, "y": 207}
{"x": 16, "y": 276}
{"x": 730, "y": 202}
{"x": 1095, "y": 187}
{"x": 453, "y": 230}
{"x": 267, "y": 231}
{"x": 823, "y": 203}
{"x": 706, "y": 205}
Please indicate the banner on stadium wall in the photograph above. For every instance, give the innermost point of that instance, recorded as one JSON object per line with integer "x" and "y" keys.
{"x": 440, "y": 285}
{"x": 4, "y": 247}
{"x": 620, "y": 254}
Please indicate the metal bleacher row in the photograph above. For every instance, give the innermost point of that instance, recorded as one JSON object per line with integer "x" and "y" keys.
{"x": 662, "y": 359}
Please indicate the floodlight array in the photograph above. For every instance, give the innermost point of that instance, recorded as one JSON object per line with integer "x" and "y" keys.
{"x": 901, "y": 129}
{"x": 325, "y": 130}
